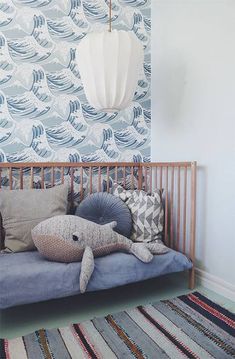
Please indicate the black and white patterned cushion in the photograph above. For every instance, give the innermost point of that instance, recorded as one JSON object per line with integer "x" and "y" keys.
{"x": 119, "y": 191}
{"x": 131, "y": 183}
{"x": 147, "y": 213}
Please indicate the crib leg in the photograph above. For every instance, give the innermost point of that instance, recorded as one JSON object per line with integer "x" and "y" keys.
{"x": 191, "y": 282}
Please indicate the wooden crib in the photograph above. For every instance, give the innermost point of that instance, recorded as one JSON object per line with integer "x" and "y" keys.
{"x": 176, "y": 179}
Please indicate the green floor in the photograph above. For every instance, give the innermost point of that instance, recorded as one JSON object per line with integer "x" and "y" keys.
{"x": 18, "y": 321}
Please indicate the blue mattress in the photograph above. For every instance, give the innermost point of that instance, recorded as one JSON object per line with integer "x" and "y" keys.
{"x": 28, "y": 277}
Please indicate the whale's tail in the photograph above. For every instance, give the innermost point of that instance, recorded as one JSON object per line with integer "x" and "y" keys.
{"x": 141, "y": 252}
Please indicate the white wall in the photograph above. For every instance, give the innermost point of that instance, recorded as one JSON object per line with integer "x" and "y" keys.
{"x": 193, "y": 114}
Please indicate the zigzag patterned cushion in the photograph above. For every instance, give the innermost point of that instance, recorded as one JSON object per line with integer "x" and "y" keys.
{"x": 131, "y": 183}
{"x": 147, "y": 213}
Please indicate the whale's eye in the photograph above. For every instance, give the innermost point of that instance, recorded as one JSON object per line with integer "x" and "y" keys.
{"x": 75, "y": 238}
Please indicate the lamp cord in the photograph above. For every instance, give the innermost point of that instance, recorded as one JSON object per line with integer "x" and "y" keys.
{"x": 110, "y": 15}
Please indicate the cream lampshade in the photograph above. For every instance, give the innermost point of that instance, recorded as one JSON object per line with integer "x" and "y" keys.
{"x": 109, "y": 64}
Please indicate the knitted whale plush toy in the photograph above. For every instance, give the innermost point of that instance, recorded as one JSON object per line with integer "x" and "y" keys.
{"x": 69, "y": 238}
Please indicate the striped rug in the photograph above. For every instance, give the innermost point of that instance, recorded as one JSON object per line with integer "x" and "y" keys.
{"x": 190, "y": 326}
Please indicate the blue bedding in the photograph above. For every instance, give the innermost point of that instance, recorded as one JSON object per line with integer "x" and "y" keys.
{"x": 28, "y": 277}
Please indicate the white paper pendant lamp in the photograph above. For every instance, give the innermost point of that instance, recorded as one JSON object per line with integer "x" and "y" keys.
{"x": 109, "y": 64}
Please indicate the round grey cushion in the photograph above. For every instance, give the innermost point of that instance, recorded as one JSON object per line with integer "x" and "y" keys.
{"x": 103, "y": 208}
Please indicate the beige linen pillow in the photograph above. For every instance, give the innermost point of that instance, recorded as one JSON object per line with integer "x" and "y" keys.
{"x": 22, "y": 210}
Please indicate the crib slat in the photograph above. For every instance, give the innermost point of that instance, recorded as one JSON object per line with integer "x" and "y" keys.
{"x": 62, "y": 175}
{"x": 116, "y": 174}
{"x": 160, "y": 186}
{"x": 52, "y": 176}
{"x": 108, "y": 179}
{"x": 99, "y": 179}
{"x": 132, "y": 177}
{"x": 178, "y": 211}
{"x": 192, "y": 223}
{"x": 81, "y": 182}
{"x": 172, "y": 209}
{"x": 185, "y": 210}
{"x": 124, "y": 177}
{"x": 42, "y": 177}
{"x": 90, "y": 178}
{"x": 21, "y": 178}
{"x": 31, "y": 177}
{"x": 151, "y": 180}
{"x": 10, "y": 178}
{"x": 166, "y": 207}
{"x": 72, "y": 187}
{"x": 193, "y": 211}
{"x": 140, "y": 177}
{"x": 155, "y": 178}
{"x": 146, "y": 179}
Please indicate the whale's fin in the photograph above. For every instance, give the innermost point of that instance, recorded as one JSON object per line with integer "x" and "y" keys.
{"x": 87, "y": 268}
{"x": 110, "y": 225}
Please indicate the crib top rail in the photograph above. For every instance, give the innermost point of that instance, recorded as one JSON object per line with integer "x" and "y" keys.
{"x": 94, "y": 164}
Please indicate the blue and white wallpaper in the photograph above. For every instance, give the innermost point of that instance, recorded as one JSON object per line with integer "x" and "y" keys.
{"x": 44, "y": 115}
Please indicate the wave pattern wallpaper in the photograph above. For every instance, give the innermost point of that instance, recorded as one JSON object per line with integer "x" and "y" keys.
{"x": 44, "y": 115}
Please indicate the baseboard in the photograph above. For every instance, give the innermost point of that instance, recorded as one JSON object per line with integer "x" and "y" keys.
{"x": 216, "y": 284}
